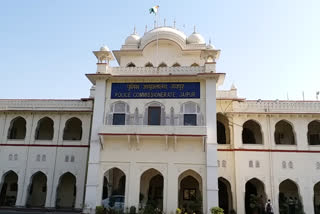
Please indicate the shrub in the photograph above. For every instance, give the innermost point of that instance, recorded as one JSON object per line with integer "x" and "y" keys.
{"x": 216, "y": 210}
{"x": 99, "y": 210}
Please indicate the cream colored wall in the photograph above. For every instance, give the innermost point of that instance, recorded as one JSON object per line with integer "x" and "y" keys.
{"x": 54, "y": 164}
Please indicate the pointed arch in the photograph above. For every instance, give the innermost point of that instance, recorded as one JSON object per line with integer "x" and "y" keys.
{"x": 149, "y": 64}
{"x": 162, "y": 65}
{"x": 255, "y": 192}
{"x": 17, "y": 129}
{"x": 66, "y": 191}
{"x": 225, "y": 194}
{"x": 191, "y": 113}
{"x": 316, "y": 198}
{"x": 223, "y": 130}
{"x": 73, "y": 129}
{"x": 44, "y": 130}
{"x": 130, "y": 64}
{"x": 251, "y": 133}
{"x": 37, "y": 190}
{"x": 154, "y": 113}
{"x": 284, "y": 133}
{"x": 289, "y": 197}
{"x": 314, "y": 132}
{"x": 9, "y": 188}
{"x": 152, "y": 188}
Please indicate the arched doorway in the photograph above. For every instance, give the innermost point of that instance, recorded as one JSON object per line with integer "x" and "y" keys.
{"x": 114, "y": 188}
{"x": 251, "y": 133}
{"x": 255, "y": 196}
{"x": 9, "y": 189}
{"x": 37, "y": 190}
{"x": 190, "y": 192}
{"x": 284, "y": 134}
{"x": 225, "y": 196}
{"x": 66, "y": 191}
{"x": 151, "y": 189}
{"x": 223, "y": 132}
{"x": 289, "y": 198}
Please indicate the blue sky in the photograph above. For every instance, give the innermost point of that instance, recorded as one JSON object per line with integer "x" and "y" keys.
{"x": 268, "y": 47}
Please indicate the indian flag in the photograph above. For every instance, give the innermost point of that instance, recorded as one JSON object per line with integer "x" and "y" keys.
{"x": 154, "y": 9}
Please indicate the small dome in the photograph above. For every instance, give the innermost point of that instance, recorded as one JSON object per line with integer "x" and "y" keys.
{"x": 133, "y": 39}
{"x": 210, "y": 46}
{"x": 195, "y": 38}
{"x": 104, "y": 48}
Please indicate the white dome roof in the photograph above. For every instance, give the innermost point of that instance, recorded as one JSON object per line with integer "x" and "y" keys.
{"x": 195, "y": 38}
{"x": 133, "y": 39}
{"x": 104, "y": 48}
{"x": 210, "y": 46}
{"x": 164, "y": 33}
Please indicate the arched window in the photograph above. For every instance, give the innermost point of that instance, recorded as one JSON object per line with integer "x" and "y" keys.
{"x": 162, "y": 65}
{"x": 44, "y": 129}
{"x": 194, "y": 65}
{"x": 284, "y": 165}
{"x": 257, "y": 164}
{"x": 176, "y": 65}
{"x": 149, "y": 64}
{"x": 190, "y": 112}
{"x": 73, "y": 129}
{"x": 314, "y": 133}
{"x": 251, "y": 133}
{"x": 17, "y": 130}
{"x": 131, "y": 64}
{"x": 223, "y": 133}
{"x": 283, "y": 134}
{"x": 119, "y": 113}
{"x": 251, "y": 164}
{"x": 155, "y": 114}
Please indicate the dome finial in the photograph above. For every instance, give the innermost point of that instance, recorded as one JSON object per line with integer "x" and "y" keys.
{"x": 164, "y": 22}
{"x": 134, "y": 30}
{"x": 146, "y": 29}
{"x": 154, "y": 24}
{"x": 194, "y": 29}
{"x": 174, "y": 23}
{"x": 210, "y": 41}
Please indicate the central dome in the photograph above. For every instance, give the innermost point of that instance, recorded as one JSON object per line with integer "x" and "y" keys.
{"x": 168, "y": 33}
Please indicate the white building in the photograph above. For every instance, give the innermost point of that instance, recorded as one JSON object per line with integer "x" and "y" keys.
{"x": 157, "y": 131}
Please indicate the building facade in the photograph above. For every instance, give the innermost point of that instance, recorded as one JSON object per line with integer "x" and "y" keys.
{"x": 157, "y": 132}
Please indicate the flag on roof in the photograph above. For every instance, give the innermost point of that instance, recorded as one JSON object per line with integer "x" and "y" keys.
{"x": 154, "y": 9}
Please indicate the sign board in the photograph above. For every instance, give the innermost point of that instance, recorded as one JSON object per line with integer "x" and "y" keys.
{"x": 156, "y": 90}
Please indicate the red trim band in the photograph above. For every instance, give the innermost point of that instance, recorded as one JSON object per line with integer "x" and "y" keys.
{"x": 267, "y": 150}
{"x": 43, "y": 145}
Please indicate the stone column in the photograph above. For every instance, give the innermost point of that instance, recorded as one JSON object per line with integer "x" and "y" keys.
{"x": 133, "y": 186}
{"x": 92, "y": 199}
{"x": 172, "y": 188}
{"x": 211, "y": 145}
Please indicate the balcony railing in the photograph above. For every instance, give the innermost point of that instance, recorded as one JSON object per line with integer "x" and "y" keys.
{"x": 154, "y": 71}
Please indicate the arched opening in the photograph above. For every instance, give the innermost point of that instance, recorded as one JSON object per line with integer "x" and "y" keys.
{"x": 194, "y": 65}
{"x": 223, "y": 133}
{"x": 255, "y": 196}
{"x": 225, "y": 196}
{"x": 191, "y": 113}
{"x": 190, "y": 192}
{"x": 44, "y": 129}
{"x": 131, "y": 64}
{"x": 251, "y": 133}
{"x": 289, "y": 198}
{"x": 114, "y": 187}
{"x": 9, "y": 189}
{"x": 17, "y": 130}
{"x": 149, "y": 64}
{"x": 162, "y": 65}
{"x": 120, "y": 113}
{"x": 176, "y": 65}
{"x": 73, "y": 129}
{"x": 314, "y": 133}
{"x": 283, "y": 134}
{"x": 37, "y": 190}
{"x": 151, "y": 189}
{"x": 154, "y": 114}
{"x": 316, "y": 198}
{"x": 66, "y": 191}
